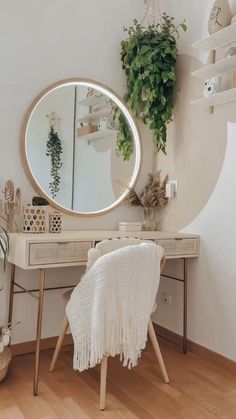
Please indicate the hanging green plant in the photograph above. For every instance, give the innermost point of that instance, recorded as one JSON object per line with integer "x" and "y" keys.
{"x": 54, "y": 151}
{"x": 124, "y": 140}
{"x": 149, "y": 56}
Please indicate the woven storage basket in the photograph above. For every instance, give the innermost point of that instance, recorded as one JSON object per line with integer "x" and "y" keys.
{"x": 55, "y": 222}
{"x": 5, "y": 359}
{"x": 34, "y": 219}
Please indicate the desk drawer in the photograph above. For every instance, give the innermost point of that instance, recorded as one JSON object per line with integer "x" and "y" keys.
{"x": 179, "y": 247}
{"x": 58, "y": 252}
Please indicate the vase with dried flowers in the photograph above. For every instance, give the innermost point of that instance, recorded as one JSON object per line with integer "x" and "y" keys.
{"x": 152, "y": 199}
{"x": 5, "y": 352}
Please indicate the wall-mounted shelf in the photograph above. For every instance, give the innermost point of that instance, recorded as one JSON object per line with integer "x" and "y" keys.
{"x": 211, "y": 43}
{"x": 218, "y": 39}
{"x": 95, "y": 116}
{"x": 218, "y": 99}
{"x": 94, "y": 101}
{"x": 97, "y": 135}
{"x": 219, "y": 68}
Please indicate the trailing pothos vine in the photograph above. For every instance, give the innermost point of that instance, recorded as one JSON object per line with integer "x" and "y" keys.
{"x": 149, "y": 56}
{"x": 54, "y": 151}
{"x": 124, "y": 140}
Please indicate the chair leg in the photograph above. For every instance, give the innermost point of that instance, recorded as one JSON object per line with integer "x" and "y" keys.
{"x": 59, "y": 343}
{"x": 103, "y": 383}
{"x": 157, "y": 350}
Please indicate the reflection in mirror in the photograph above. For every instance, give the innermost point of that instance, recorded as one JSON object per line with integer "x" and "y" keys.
{"x": 72, "y": 142}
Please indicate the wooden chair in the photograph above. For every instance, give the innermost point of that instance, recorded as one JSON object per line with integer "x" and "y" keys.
{"x": 103, "y": 369}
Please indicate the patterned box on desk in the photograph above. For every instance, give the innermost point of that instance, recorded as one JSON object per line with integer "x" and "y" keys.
{"x": 55, "y": 224}
{"x": 34, "y": 219}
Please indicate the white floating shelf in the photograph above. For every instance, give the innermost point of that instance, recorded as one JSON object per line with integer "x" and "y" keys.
{"x": 218, "y": 39}
{"x": 219, "y": 68}
{"x": 98, "y": 135}
{"x": 217, "y": 99}
{"x": 94, "y": 101}
{"x": 95, "y": 116}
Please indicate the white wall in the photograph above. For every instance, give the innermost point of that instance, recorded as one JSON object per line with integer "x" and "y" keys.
{"x": 93, "y": 187}
{"x": 40, "y": 43}
{"x": 212, "y": 285}
{"x": 61, "y": 102}
{"x": 199, "y": 145}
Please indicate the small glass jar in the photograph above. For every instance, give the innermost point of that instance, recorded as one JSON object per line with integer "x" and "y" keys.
{"x": 149, "y": 222}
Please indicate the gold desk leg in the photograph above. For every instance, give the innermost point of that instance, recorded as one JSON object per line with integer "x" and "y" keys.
{"x": 185, "y": 309}
{"x": 11, "y": 296}
{"x": 39, "y": 326}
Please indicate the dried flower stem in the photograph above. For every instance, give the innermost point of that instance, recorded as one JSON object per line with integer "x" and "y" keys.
{"x": 153, "y": 195}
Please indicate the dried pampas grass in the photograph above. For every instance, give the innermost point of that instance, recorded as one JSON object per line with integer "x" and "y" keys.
{"x": 153, "y": 195}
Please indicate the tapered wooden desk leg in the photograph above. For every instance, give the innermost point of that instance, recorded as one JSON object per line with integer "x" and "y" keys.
{"x": 185, "y": 342}
{"x": 11, "y": 296}
{"x": 39, "y": 326}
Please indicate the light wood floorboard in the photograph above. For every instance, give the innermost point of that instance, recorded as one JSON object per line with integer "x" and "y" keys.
{"x": 198, "y": 389}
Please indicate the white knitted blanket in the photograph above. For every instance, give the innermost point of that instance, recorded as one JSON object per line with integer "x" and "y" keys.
{"x": 110, "y": 308}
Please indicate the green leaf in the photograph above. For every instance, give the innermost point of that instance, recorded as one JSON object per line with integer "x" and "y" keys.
{"x": 149, "y": 56}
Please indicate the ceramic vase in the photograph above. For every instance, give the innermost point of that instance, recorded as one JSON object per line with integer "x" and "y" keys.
{"x": 220, "y": 16}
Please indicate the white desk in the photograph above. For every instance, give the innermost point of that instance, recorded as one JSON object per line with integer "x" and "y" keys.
{"x": 69, "y": 248}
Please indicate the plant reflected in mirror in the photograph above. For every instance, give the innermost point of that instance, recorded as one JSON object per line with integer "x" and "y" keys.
{"x": 78, "y": 142}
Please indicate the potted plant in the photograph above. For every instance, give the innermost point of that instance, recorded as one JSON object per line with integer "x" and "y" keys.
{"x": 149, "y": 56}
{"x": 152, "y": 198}
{"x": 5, "y": 352}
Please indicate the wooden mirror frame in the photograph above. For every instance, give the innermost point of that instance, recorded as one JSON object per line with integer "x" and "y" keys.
{"x": 113, "y": 96}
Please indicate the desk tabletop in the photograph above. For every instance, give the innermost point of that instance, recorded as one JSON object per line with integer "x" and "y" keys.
{"x": 97, "y": 235}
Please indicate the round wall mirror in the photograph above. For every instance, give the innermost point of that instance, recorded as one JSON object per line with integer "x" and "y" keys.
{"x": 73, "y": 147}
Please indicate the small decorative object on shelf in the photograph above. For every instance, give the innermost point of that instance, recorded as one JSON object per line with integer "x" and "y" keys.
{"x": 38, "y": 200}
{"x": 152, "y": 198}
{"x": 130, "y": 226}
{"x": 220, "y": 16}
{"x": 34, "y": 219}
{"x": 55, "y": 223}
{"x": 230, "y": 51}
{"x": 12, "y": 201}
{"x": 5, "y": 352}
{"x": 212, "y": 86}
{"x": 86, "y": 129}
{"x": 103, "y": 124}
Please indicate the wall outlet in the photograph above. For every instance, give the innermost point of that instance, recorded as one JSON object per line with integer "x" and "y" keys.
{"x": 167, "y": 298}
{"x": 171, "y": 188}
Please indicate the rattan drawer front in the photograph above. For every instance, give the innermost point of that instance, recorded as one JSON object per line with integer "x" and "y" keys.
{"x": 58, "y": 252}
{"x": 178, "y": 247}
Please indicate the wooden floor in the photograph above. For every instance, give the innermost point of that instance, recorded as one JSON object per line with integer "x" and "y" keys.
{"x": 198, "y": 389}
